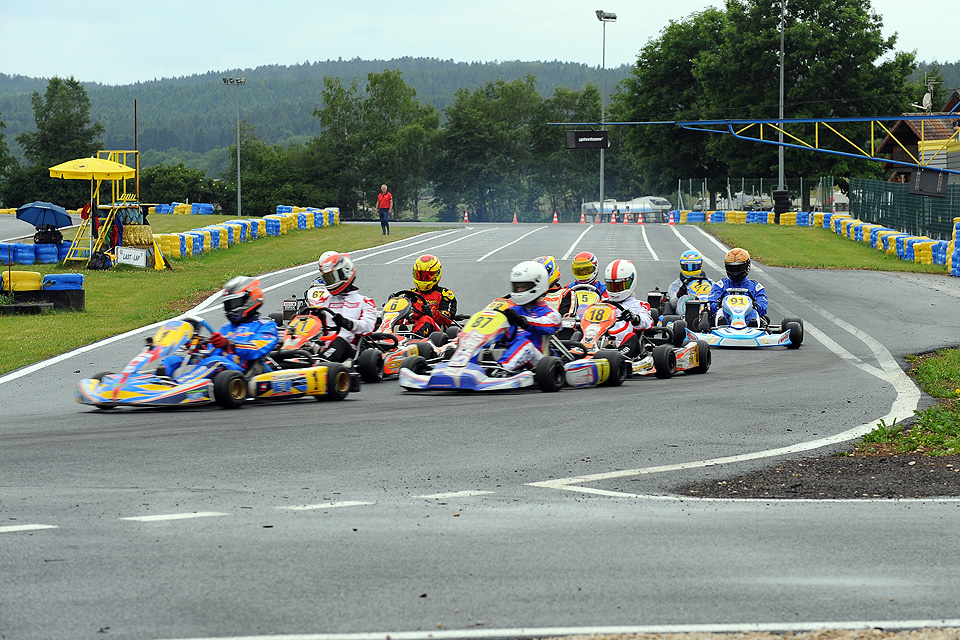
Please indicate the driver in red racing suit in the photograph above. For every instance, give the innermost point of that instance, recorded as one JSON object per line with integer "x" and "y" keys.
{"x": 532, "y": 319}
{"x": 441, "y": 305}
{"x": 354, "y": 314}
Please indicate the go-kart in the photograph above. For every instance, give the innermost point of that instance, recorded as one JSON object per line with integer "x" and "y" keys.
{"x": 475, "y": 366}
{"x": 733, "y": 330}
{"x": 383, "y": 351}
{"x": 658, "y": 353}
{"x": 144, "y": 382}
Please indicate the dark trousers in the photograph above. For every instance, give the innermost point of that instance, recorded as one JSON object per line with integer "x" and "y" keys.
{"x": 385, "y": 221}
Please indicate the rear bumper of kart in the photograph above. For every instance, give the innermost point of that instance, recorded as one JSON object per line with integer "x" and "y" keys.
{"x": 143, "y": 391}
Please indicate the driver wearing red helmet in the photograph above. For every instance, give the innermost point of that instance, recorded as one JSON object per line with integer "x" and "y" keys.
{"x": 244, "y": 340}
{"x": 633, "y": 315}
{"x": 354, "y": 314}
{"x": 441, "y": 304}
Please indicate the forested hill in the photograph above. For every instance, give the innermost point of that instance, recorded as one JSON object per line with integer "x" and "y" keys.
{"x": 198, "y": 113}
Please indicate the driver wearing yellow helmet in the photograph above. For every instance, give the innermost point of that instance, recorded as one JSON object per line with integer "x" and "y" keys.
{"x": 441, "y": 304}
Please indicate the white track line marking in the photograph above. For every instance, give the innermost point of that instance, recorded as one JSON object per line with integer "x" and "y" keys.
{"x": 325, "y": 505}
{"x": 177, "y": 516}
{"x": 649, "y": 246}
{"x": 573, "y": 247}
{"x": 456, "y": 494}
{"x": 486, "y": 255}
{"x": 13, "y": 528}
{"x": 543, "y": 632}
{"x": 432, "y": 249}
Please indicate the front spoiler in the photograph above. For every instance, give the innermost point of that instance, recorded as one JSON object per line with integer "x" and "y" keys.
{"x": 143, "y": 390}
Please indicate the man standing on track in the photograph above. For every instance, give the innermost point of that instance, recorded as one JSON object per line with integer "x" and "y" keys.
{"x": 385, "y": 207}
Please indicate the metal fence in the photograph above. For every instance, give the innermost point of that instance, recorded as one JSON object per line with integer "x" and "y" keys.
{"x": 891, "y": 205}
{"x": 756, "y": 193}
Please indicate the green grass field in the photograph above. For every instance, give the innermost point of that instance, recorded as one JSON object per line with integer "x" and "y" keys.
{"x": 124, "y": 297}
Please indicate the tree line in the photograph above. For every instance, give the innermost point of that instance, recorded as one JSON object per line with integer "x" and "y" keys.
{"x": 491, "y": 149}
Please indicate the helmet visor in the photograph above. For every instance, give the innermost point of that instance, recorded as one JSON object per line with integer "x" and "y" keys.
{"x": 520, "y": 287}
{"x": 583, "y": 271}
{"x": 691, "y": 267}
{"x": 424, "y": 275}
{"x": 616, "y": 286}
{"x": 235, "y": 302}
{"x": 331, "y": 278}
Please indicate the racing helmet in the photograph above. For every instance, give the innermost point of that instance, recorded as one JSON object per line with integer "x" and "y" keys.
{"x": 552, "y": 269}
{"x": 426, "y": 272}
{"x": 529, "y": 281}
{"x": 337, "y": 271}
{"x": 691, "y": 264}
{"x": 242, "y": 298}
{"x": 585, "y": 267}
{"x": 737, "y": 264}
{"x": 620, "y": 277}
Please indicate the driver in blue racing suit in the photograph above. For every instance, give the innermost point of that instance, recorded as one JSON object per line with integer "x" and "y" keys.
{"x": 691, "y": 270}
{"x": 244, "y": 340}
{"x": 737, "y": 265}
{"x": 532, "y": 319}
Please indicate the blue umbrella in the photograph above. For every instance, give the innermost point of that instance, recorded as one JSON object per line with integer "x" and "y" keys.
{"x": 40, "y": 214}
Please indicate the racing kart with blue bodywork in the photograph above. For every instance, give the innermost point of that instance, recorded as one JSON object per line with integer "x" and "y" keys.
{"x": 145, "y": 382}
{"x": 733, "y": 329}
{"x": 475, "y": 366}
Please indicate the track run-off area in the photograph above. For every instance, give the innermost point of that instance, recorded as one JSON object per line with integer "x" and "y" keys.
{"x": 519, "y": 514}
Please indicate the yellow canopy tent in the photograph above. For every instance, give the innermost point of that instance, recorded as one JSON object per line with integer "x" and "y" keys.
{"x": 92, "y": 169}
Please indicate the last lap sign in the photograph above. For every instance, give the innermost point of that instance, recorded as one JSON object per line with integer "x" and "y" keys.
{"x": 131, "y": 255}
{"x": 587, "y": 140}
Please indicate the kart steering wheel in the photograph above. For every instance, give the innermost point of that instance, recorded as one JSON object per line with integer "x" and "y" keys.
{"x": 414, "y": 297}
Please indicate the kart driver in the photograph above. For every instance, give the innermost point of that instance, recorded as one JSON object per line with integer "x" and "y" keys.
{"x": 620, "y": 276}
{"x": 240, "y": 343}
{"x": 557, "y": 297}
{"x": 355, "y": 315}
{"x": 737, "y": 265}
{"x": 691, "y": 269}
{"x": 585, "y": 271}
{"x": 532, "y": 320}
{"x": 441, "y": 305}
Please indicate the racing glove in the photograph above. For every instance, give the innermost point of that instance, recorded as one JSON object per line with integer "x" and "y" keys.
{"x": 515, "y": 318}
{"x": 340, "y": 321}
{"x": 220, "y": 341}
{"x": 426, "y": 310}
{"x": 629, "y": 316}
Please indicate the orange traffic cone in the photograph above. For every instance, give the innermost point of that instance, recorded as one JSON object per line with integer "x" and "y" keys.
{"x": 515, "y": 217}
{"x": 613, "y": 218}
{"x": 555, "y": 219}
{"x": 466, "y": 218}
{"x": 671, "y": 220}
{"x": 583, "y": 218}
{"x": 709, "y": 216}
{"x": 639, "y": 217}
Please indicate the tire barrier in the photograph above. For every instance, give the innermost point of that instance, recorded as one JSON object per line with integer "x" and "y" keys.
{"x": 46, "y": 253}
{"x": 22, "y": 281}
{"x": 63, "y": 282}
{"x": 137, "y": 235}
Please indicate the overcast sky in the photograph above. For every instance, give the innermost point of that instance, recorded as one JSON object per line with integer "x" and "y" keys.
{"x": 140, "y": 41}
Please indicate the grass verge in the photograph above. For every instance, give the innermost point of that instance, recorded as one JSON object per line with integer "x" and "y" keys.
{"x": 811, "y": 248}
{"x": 936, "y": 430}
{"x": 124, "y": 298}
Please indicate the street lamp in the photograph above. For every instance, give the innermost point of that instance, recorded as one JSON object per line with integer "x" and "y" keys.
{"x": 238, "y": 82}
{"x": 604, "y": 17}
{"x": 783, "y": 11}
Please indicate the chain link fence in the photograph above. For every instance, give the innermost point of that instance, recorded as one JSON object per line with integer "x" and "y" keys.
{"x": 750, "y": 194}
{"x": 891, "y": 204}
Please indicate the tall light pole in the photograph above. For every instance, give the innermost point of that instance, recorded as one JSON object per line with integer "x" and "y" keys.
{"x": 783, "y": 11}
{"x": 604, "y": 17}
{"x": 238, "y": 82}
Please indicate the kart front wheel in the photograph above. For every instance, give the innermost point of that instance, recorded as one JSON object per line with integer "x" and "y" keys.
{"x": 796, "y": 334}
{"x": 549, "y": 374}
{"x": 100, "y": 376}
{"x": 370, "y": 365}
{"x": 679, "y": 330}
{"x": 703, "y": 357}
{"x": 619, "y": 367}
{"x": 438, "y": 338}
{"x": 229, "y": 389}
{"x": 416, "y": 364}
{"x": 338, "y": 381}
{"x": 664, "y": 361}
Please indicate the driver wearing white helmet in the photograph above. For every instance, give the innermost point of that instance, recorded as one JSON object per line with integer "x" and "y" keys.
{"x": 532, "y": 319}
{"x": 633, "y": 315}
{"x": 354, "y": 314}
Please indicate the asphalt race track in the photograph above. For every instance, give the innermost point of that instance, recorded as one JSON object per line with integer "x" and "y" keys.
{"x": 508, "y": 515}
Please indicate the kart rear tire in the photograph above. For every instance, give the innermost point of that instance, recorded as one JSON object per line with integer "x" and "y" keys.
{"x": 453, "y": 332}
{"x": 370, "y": 365}
{"x": 426, "y": 349}
{"x": 549, "y": 374}
{"x": 704, "y": 358}
{"x": 797, "y": 320}
{"x": 438, "y": 338}
{"x": 619, "y": 367}
{"x": 278, "y": 318}
{"x": 416, "y": 364}
{"x": 796, "y": 334}
{"x": 679, "y": 331}
{"x": 338, "y": 382}
{"x": 161, "y": 371}
{"x": 664, "y": 361}
{"x": 229, "y": 389}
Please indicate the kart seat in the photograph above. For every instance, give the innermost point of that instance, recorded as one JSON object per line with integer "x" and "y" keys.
{"x": 491, "y": 355}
